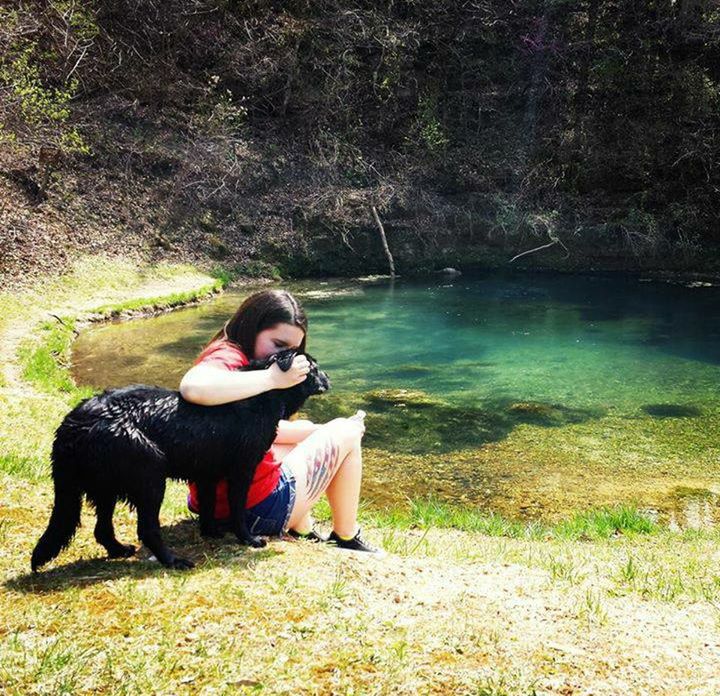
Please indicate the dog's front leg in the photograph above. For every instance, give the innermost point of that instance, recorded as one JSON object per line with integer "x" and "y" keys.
{"x": 238, "y": 486}
{"x": 207, "y": 492}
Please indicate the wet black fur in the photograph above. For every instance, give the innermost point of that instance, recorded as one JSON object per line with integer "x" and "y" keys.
{"x": 124, "y": 443}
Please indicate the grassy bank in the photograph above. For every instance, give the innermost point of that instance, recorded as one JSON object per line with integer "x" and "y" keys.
{"x": 37, "y": 327}
{"x": 606, "y": 601}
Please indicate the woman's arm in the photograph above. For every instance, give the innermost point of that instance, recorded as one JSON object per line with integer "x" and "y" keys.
{"x": 292, "y": 432}
{"x": 209, "y": 386}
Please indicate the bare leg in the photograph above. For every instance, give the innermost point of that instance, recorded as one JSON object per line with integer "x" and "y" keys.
{"x": 316, "y": 462}
{"x": 281, "y": 451}
{"x": 343, "y": 494}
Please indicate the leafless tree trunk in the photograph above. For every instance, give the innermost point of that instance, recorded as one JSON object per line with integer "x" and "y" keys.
{"x": 383, "y": 238}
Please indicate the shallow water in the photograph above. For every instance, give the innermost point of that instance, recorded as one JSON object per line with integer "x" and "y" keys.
{"x": 528, "y": 394}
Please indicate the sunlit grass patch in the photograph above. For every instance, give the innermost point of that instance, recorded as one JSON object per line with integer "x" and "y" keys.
{"x": 429, "y": 512}
{"x": 605, "y": 523}
{"x": 159, "y": 303}
{"x": 591, "y": 609}
{"x": 27, "y": 425}
{"x": 28, "y": 418}
{"x": 29, "y": 467}
{"x": 44, "y": 357}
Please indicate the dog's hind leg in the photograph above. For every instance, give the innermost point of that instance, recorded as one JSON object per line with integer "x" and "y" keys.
{"x": 147, "y": 502}
{"x": 206, "y": 500}
{"x": 104, "y": 531}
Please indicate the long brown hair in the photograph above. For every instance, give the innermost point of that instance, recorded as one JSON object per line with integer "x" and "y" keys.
{"x": 258, "y": 312}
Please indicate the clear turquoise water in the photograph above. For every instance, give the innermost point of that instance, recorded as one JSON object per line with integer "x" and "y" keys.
{"x": 552, "y": 362}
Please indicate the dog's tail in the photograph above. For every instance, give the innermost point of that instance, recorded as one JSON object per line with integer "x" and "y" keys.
{"x": 65, "y": 517}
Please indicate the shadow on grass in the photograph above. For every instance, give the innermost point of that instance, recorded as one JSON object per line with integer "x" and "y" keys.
{"x": 413, "y": 421}
{"x": 183, "y": 538}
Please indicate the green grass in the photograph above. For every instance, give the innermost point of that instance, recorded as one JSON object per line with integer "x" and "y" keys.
{"x": 249, "y": 269}
{"x": 428, "y": 513}
{"x": 45, "y": 357}
{"x": 28, "y": 418}
{"x": 177, "y": 299}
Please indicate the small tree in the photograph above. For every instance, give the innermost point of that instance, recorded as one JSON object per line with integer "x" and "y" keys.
{"x": 36, "y": 94}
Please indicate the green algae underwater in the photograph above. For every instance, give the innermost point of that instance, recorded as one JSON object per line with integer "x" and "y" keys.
{"x": 532, "y": 396}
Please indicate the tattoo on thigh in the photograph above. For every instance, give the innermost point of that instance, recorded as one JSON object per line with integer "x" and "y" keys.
{"x": 321, "y": 470}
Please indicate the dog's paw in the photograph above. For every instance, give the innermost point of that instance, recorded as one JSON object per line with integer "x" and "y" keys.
{"x": 122, "y": 551}
{"x": 250, "y": 540}
{"x": 181, "y": 564}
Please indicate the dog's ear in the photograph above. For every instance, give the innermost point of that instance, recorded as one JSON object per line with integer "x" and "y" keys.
{"x": 285, "y": 359}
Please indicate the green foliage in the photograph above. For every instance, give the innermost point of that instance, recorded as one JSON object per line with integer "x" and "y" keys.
{"x": 41, "y": 108}
{"x": 640, "y": 230}
{"x": 228, "y": 112}
{"x": 249, "y": 269}
{"x": 220, "y": 112}
{"x": 80, "y": 18}
{"x": 508, "y": 217}
{"x": 430, "y": 130}
{"x": 37, "y": 102}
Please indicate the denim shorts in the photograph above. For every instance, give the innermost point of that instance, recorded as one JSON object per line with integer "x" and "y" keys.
{"x": 270, "y": 517}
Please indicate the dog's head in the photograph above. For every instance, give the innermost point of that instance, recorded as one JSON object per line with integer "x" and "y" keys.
{"x": 316, "y": 381}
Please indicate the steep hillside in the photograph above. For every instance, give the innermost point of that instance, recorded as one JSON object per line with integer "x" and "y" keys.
{"x": 263, "y": 133}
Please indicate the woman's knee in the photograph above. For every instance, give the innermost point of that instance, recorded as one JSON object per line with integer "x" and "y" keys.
{"x": 344, "y": 432}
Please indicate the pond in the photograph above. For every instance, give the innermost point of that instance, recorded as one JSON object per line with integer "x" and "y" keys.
{"x": 530, "y": 395}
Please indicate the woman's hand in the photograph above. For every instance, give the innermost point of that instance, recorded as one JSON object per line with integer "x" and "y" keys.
{"x": 297, "y": 373}
{"x": 292, "y": 432}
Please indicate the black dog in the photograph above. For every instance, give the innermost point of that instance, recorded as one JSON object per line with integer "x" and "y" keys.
{"x": 123, "y": 444}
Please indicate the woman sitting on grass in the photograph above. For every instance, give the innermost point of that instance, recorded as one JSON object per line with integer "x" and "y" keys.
{"x": 307, "y": 459}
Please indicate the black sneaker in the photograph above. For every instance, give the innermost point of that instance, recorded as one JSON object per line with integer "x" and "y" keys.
{"x": 313, "y": 536}
{"x": 357, "y": 543}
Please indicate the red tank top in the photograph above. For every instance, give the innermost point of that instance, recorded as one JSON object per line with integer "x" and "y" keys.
{"x": 226, "y": 355}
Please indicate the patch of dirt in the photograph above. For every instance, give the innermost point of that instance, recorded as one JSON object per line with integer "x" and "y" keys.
{"x": 474, "y": 617}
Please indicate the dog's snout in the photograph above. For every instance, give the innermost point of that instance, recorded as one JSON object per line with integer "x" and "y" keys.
{"x": 324, "y": 382}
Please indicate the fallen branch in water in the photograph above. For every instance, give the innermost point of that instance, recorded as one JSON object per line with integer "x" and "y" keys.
{"x": 554, "y": 240}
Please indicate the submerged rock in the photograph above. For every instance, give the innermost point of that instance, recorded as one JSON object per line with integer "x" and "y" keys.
{"x": 401, "y": 397}
{"x": 535, "y": 408}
